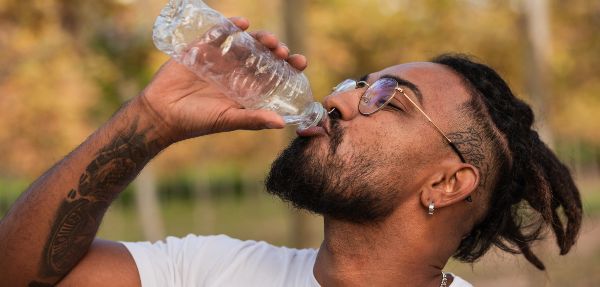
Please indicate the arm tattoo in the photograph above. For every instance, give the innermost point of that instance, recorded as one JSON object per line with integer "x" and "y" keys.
{"x": 78, "y": 217}
{"x": 470, "y": 144}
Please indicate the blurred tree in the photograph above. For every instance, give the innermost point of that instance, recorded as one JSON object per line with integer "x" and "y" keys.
{"x": 366, "y": 36}
{"x": 577, "y": 66}
{"x": 148, "y": 206}
{"x": 539, "y": 74}
{"x": 41, "y": 88}
{"x": 294, "y": 15}
{"x": 60, "y": 76}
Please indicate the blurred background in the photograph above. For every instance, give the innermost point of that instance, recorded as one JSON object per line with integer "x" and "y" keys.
{"x": 67, "y": 65}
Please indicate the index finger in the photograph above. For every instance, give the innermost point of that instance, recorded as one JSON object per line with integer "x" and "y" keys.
{"x": 240, "y": 22}
{"x": 298, "y": 61}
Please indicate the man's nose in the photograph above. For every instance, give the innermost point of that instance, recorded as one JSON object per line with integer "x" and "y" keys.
{"x": 345, "y": 102}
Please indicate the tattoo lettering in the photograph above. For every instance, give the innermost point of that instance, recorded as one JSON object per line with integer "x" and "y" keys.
{"x": 78, "y": 217}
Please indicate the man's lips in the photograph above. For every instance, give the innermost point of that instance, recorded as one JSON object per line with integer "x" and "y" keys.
{"x": 322, "y": 130}
{"x": 312, "y": 132}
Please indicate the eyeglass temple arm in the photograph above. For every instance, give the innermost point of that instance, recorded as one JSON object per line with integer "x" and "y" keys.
{"x": 452, "y": 145}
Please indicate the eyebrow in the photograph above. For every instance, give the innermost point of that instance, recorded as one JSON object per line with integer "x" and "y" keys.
{"x": 402, "y": 82}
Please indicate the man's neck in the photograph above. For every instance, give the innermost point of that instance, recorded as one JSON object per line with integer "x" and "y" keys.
{"x": 381, "y": 255}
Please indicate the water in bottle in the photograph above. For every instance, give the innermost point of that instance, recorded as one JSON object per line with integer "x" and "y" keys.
{"x": 218, "y": 51}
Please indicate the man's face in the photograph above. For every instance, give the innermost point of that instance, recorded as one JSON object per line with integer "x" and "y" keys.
{"x": 367, "y": 166}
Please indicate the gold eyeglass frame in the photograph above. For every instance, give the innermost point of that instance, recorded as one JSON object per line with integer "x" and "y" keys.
{"x": 364, "y": 99}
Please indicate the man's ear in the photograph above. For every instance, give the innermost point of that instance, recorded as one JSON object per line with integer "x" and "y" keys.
{"x": 453, "y": 184}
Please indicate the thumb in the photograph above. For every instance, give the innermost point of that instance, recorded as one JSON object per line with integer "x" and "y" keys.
{"x": 242, "y": 119}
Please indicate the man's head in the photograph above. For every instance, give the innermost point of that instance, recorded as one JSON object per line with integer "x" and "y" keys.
{"x": 395, "y": 159}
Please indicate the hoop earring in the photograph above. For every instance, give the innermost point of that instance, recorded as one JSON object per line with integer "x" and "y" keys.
{"x": 431, "y": 208}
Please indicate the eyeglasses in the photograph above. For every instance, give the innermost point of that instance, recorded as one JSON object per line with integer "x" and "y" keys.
{"x": 379, "y": 94}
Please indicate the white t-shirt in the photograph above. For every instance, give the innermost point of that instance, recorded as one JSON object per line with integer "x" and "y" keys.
{"x": 224, "y": 261}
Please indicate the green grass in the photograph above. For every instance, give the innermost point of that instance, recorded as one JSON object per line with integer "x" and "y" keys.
{"x": 591, "y": 201}
{"x": 9, "y": 192}
{"x": 256, "y": 217}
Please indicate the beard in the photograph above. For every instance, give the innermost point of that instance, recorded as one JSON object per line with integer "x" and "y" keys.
{"x": 351, "y": 189}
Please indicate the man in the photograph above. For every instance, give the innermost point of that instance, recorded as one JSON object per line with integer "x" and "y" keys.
{"x": 418, "y": 163}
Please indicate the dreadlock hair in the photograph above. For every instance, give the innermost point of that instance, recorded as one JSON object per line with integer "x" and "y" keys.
{"x": 531, "y": 189}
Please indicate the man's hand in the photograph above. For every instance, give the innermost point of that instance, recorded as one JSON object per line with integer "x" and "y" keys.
{"x": 189, "y": 107}
{"x": 52, "y": 225}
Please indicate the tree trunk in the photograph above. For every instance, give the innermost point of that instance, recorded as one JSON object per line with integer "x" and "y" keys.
{"x": 538, "y": 69}
{"x": 146, "y": 199}
{"x": 294, "y": 22}
{"x": 204, "y": 212}
{"x": 538, "y": 72}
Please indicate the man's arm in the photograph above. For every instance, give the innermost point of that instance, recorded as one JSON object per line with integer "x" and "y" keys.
{"x": 54, "y": 222}
{"x": 107, "y": 263}
{"x": 52, "y": 225}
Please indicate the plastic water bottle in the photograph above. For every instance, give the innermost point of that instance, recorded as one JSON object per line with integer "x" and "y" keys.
{"x": 217, "y": 51}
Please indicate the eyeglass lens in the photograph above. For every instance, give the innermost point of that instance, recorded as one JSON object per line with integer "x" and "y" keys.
{"x": 377, "y": 95}
{"x": 346, "y": 85}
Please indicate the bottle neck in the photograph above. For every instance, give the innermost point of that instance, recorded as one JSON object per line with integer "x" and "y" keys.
{"x": 314, "y": 115}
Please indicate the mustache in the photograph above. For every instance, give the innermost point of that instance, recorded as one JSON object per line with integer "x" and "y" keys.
{"x": 336, "y": 136}
{"x": 336, "y": 131}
